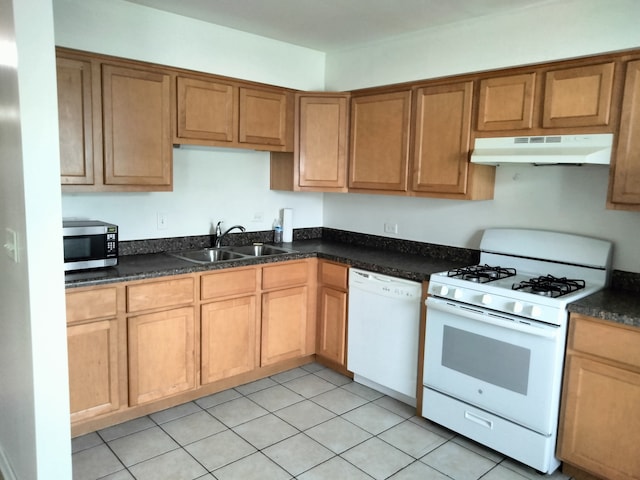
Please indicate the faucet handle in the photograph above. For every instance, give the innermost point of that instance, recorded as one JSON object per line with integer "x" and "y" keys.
{"x": 218, "y": 228}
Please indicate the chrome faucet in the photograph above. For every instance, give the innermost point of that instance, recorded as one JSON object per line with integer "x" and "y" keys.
{"x": 220, "y": 235}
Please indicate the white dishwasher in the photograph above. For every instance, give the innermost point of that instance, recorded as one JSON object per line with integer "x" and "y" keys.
{"x": 383, "y": 333}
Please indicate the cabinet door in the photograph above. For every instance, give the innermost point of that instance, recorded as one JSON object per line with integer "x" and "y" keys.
{"x": 75, "y": 112}
{"x": 332, "y": 325}
{"x": 578, "y": 97}
{"x": 284, "y": 325}
{"x": 161, "y": 354}
{"x": 625, "y": 176}
{"x": 207, "y": 110}
{"x": 443, "y": 128}
{"x": 600, "y": 424}
{"x": 264, "y": 117}
{"x": 322, "y": 141}
{"x": 137, "y": 126}
{"x": 379, "y": 149}
{"x": 229, "y": 342}
{"x": 506, "y": 103}
{"x": 93, "y": 368}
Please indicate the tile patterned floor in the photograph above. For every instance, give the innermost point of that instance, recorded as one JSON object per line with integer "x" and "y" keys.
{"x": 309, "y": 423}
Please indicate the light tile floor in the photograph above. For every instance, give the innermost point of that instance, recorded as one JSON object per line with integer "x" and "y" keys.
{"x": 309, "y": 423}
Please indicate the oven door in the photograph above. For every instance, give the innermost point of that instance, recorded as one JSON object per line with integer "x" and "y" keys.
{"x": 503, "y": 364}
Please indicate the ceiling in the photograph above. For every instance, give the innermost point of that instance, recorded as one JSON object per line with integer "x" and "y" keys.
{"x": 329, "y": 25}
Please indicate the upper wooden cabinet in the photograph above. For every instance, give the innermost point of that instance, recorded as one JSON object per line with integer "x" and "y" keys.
{"x": 379, "y": 150}
{"x": 624, "y": 189}
{"x": 319, "y": 159}
{"x": 115, "y": 124}
{"x": 547, "y": 98}
{"x": 506, "y": 103}
{"x": 220, "y": 112}
{"x": 442, "y": 145}
{"x": 75, "y": 120}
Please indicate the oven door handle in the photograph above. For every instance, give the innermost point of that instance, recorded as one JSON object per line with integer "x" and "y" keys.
{"x": 502, "y": 321}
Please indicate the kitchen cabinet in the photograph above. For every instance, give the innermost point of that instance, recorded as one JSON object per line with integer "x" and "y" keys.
{"x": 288, "y": 323}
{"x": 506, "y": 103}
{"x": 624, "y": 188}
{"x": 441, "y": 164}
{"x": 599, "y": 421}
{"x": 221, "y": 112}
{"x": 331, "y": 344}
{"x": 379, "y": 143}
{"x": 161, "y": 339}
{"x": 75, "y": 120}
{"x": 115, "y": 119}
{"x": 95, "y": 355}
{"x": 319, "y": 159}
{"x": 229, "y": 323}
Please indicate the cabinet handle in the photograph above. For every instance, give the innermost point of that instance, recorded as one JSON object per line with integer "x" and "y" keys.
{"x": 483, "y": 422}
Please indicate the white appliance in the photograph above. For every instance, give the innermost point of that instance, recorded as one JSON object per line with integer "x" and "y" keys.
{"x": 496, "y": 335}
{"x": 544, "y": 150}
{"x": 383, "y": 333}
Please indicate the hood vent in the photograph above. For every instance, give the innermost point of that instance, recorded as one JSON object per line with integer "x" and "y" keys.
{"x": 544, "y": 150}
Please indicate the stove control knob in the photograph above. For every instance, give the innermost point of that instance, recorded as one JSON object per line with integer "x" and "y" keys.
{"x": 458, "y": 293}
{"x": 536, "y": 311}
{"x": 444, "y": 290}
{"x": 517, "y": 307}
{"x": 486, "y": 299}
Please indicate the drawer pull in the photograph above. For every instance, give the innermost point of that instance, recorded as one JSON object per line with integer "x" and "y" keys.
{"x": 483, "y": 422}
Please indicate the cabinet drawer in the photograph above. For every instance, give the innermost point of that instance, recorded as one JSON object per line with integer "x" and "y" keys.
{"x": 146, "y": 296}
{"x": 228, "y": 283}
{"x": 606, "y": 340}
{"x": 90, "y": 304}
{"x": 285, "y": 274}
{"x": 334, "y": 275}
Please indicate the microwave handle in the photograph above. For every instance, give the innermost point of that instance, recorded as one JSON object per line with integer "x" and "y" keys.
{"x": 511, "y": 323}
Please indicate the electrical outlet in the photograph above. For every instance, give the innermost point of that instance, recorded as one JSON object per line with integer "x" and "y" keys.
{"x": 258, "y": 217}
{"x": 11, "y": 244}
{"x": 391, "y": 228}
{"x": 162, "y": 221}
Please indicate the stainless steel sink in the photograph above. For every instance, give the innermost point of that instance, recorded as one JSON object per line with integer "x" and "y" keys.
{"x": 225, "y": 254}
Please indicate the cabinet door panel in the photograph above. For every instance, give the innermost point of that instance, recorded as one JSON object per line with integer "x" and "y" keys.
{"x": 332, "y": 332}
{"x": 625, "y": 178}
{"x": 263, "y": 117}
{"x": 506, "y": 103}
{"x": 75, "y": 121}
{"x": 161, "y": 354}
{"x": 577, "y": 97}
{"x": 380, "y": 141}
{"x": 601, "y": 422}
{"x": 207, "y": 110}
{"x": 228, "y": 338}
{"x": 322, "y": 143}
{"x": 137, "y": 128}
{"x": 93, "y": 369}
{"x": 443, "y": 128}
{"x": 284, "y": 325}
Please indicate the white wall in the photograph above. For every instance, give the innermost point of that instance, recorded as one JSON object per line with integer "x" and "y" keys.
{"x": 209, "y": 184}
{"x": 34, "y": 399}
{"x": 554, "y": 198}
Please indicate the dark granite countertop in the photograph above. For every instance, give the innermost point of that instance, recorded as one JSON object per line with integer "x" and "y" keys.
{"x": 616, "y": 305}
{"x": 408, "y": 265}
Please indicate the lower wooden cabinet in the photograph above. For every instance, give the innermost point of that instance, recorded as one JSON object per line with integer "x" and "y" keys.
{"x": 599, "y": 418}
{"x": 332, "y": 313}
{"x": 93, "y": 368}
{"x": 161, "y": 348}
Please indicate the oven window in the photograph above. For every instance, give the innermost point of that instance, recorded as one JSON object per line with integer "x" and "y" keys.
{"x": 487, "y": 359}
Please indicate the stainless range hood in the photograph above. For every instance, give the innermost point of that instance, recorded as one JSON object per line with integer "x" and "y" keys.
{"x": 544, "y": 150}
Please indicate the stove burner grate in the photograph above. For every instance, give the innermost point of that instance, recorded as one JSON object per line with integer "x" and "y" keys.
{"x": 549, "y": 286}
{"x": 481, "y": 273}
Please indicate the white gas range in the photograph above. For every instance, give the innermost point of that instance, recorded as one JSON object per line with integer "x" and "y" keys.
{"x": 496, "y": 335}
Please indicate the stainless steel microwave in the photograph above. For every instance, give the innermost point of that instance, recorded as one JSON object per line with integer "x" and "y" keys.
{"x": 89, "y": 244}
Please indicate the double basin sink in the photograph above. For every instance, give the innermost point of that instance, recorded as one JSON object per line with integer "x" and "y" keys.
{"x": 222, "y": 254}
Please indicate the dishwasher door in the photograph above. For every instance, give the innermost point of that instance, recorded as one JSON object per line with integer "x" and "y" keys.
{"x": 383, "y": 333}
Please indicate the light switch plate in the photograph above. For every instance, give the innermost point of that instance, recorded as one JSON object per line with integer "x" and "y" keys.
{"x": 11, "y": 244}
